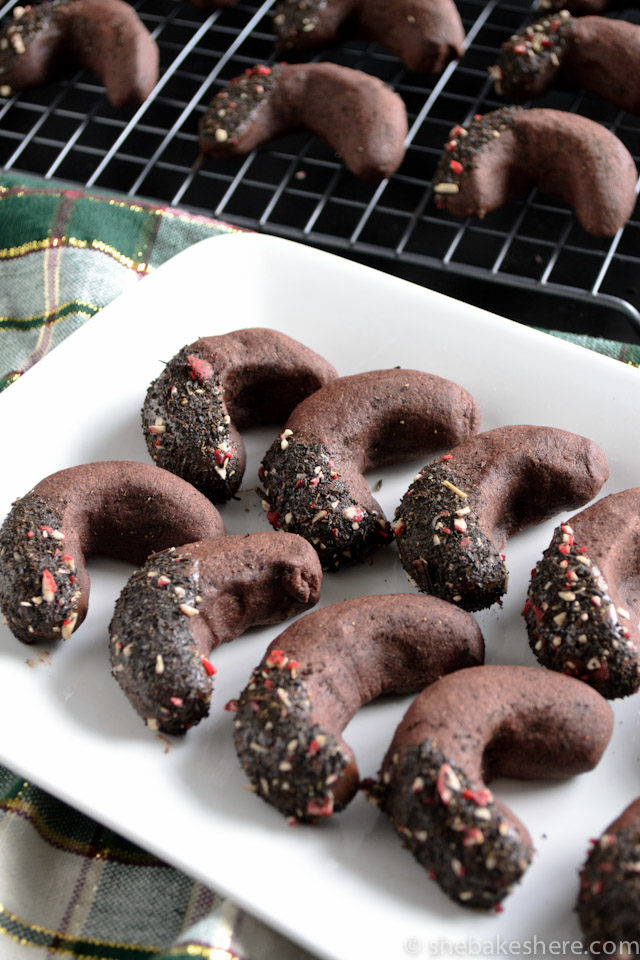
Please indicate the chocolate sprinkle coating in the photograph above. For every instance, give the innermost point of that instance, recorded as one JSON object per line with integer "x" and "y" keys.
{"x": 577, "y": 621}
{"x": 166, "y": 682}
{"x": 193, "y": 404}
{"x": 268, "y": 729}
{"x": 465, "y": 143}
{"x": 294, "y": 19}
{"x": 304, "y": 494}
{"x": 233, "y": 110}
{"x": 19, "y": 29}
{"x": 39, "y": 592}
{"x": 530, "y": 61}
{"x": 442, "y": 545}
{"x": 454, "y": 830}
{"x": 609, "y": 899}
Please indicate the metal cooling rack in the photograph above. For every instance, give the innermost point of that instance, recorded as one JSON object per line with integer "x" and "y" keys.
{"x": 297, "y": 187}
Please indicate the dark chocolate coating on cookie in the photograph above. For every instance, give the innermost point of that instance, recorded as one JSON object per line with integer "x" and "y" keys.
{"x": 425, "y": 34}
{"x": 609, "y": 899}
{"x": 313, "y": 473}
{"x": 316, "y": 675}
{"x": 583, "y": 604}
{"x": 596, "y": 53}
{"x": 214, "y": 388}
{"x": 111, "y": 508}
{"x": 459, "y": 734}
{"x": 186, "y": 601}
{"x": 454, "y": 521}
{"x": 106, "y": 37}
{"x": 358, "y": 115}
{"x": 502, "y": 154}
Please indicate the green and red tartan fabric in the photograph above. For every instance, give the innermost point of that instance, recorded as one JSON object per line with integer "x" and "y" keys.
{"x": 68, "y": 886}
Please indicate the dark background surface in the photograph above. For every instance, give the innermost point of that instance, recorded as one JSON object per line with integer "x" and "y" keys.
{"x": 530, "y": 260}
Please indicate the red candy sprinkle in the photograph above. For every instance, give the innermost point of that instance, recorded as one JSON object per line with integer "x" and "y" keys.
{"x": 48, "y": 583}
{"x": 208, "y": 666}
{"x": 481, "y": 798}
{"x": 200, "y": 369}
{"x": 456, "y": 167}
{"x": 318, "y": 808}
{"x": 274, "y": 519}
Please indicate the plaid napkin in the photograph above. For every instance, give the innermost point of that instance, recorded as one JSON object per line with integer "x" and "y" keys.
{"x": 68, "y": 886}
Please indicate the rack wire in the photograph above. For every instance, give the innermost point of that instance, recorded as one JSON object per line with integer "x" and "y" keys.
{"x": 297, "y": 187}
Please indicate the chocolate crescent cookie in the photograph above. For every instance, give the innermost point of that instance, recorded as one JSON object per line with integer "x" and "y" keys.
{"x": 185, "y": 602}
{"x": 106, "y": 37}
{"x": 364, "y": 120}
{"x": 454, "y": 521}
{"x": 582, "y": 608}
{"x": 460, "y": 733}
{"x": 595, "y": 53}
{"x": 313, "y": 473}
{"x": 424, "y": 34}
{"x": 317, "y": 674}
{"x": 113, "y": 508}
{"x": 217, "y": 386}
{"x": 502, "y": 154}
{"x": 610, "y": 888}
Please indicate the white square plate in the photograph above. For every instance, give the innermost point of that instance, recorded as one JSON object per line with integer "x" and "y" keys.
{"x": 346, "y": 889}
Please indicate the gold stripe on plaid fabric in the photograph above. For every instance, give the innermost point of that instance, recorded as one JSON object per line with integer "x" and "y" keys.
{"x": 34, "y": 935}
{"x": 64, "y": 841}
{"x": 200, "y": 950}
{"x": 48, "y": 243}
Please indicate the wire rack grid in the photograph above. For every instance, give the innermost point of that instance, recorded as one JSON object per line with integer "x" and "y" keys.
{"x": 296, "y": 187}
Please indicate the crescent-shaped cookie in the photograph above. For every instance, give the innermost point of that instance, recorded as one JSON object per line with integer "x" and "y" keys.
{"x": 112, "y": 508}
{"x": 425, "y": 34}
{"x": 459, "y": 734}
{"x": 317, "y": 674}
{"x": 500, "y": 155}
{"x": 214, "y": 388}
{"x": 186, "y": 601}
{"x": 313, "y": 473}
{"x": 106, "y": 37}
{"x": 454, "y": 521}
{"x": 362, "y": 118}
